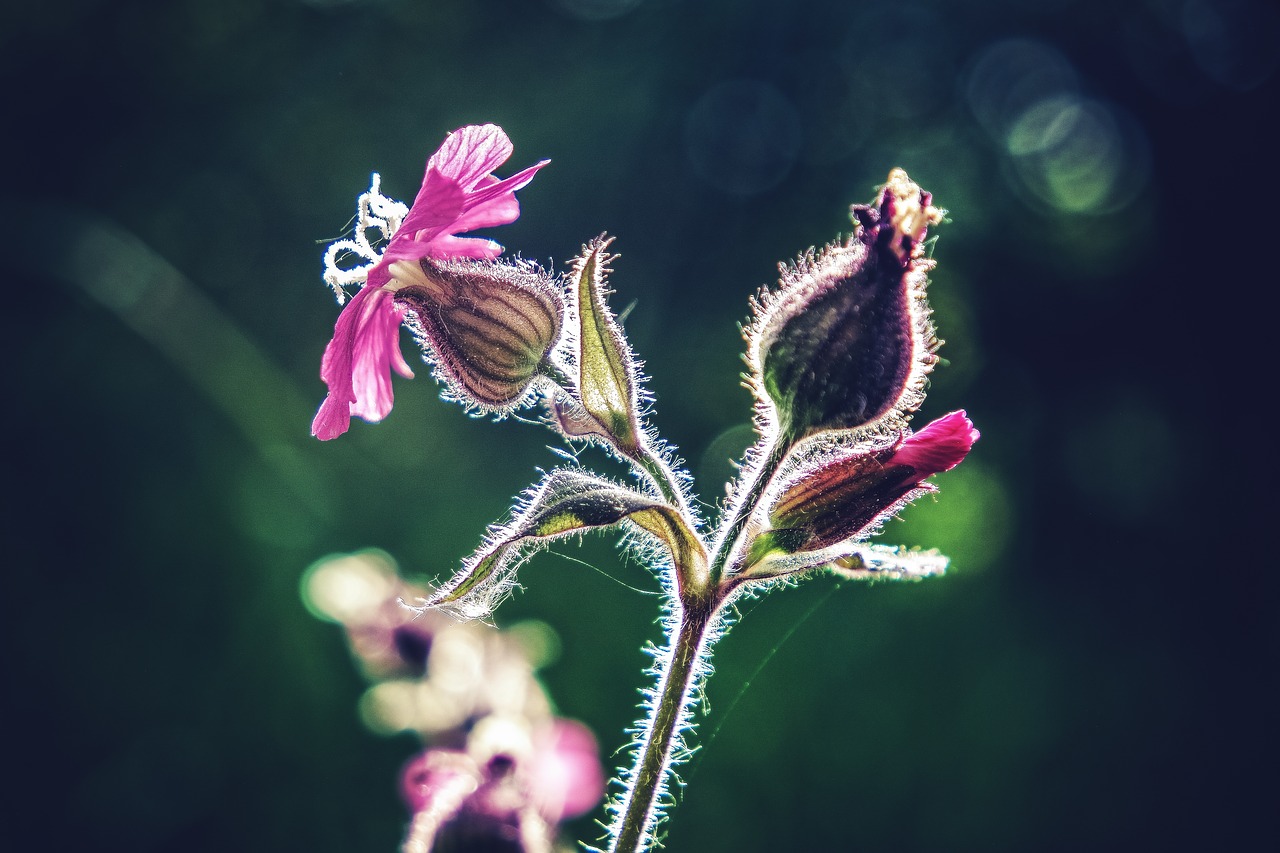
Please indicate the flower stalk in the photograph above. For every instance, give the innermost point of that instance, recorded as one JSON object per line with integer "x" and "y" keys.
{"x": 670, "y": 713}
{"x": 759, "y": 478}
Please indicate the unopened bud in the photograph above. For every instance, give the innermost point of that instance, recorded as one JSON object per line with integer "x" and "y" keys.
{"x": 846, "y": 342}
{"x": 488, "y": 326}
{"x": 606, "y": 403}
{"x": 839, "y": 501}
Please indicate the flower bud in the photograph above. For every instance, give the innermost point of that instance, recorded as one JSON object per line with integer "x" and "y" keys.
{"x": 488, "y": 326}
{"x": 846, "y": 343}
{"x": 838, "y": 501}
{"x": 606, "y": 403}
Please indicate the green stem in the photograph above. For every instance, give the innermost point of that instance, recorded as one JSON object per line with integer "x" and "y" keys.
{"x": 698, "y": 607}
{"x": 746, "y": 505}
{"x": 642, "y": 456}
{"x": 663, "y": 477}
{"x": 634, "y": 828}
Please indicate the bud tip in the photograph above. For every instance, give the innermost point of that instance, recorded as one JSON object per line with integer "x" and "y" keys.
{"x": 940, "y": 446}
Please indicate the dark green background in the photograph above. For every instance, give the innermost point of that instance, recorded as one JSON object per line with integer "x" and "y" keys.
{"x": 1094, "y": 673}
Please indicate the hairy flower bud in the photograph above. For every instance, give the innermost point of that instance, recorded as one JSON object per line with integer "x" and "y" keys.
{"x": 826, "y": 507}
{"x": 606, "y": 403}
{"x": 488, "y": 325}
{"x": 846, "y": 343}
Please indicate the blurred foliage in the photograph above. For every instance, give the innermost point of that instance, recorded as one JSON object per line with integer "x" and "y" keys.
{"x": 1087, "y": 676}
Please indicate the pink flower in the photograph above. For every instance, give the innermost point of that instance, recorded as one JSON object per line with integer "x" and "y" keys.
{"x": 459, "y": 193}
{"x": 507, "y": 801}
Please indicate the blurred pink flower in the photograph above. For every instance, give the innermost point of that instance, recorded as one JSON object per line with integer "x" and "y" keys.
{"x": 439, "y": 776}
{"x": 459, "y": 193}
{"x": 567, "y": 776}
{"x": 505, "y": 802}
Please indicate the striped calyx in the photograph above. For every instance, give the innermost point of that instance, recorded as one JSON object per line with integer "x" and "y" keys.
{"x": 487, "y": 326}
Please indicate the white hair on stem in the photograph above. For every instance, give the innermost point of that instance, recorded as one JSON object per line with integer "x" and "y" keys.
{"x": 677, "y": 750}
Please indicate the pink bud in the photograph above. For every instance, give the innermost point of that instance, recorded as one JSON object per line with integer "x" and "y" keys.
{"x": 938, "y": 447}
{"x": 841, "y": 500}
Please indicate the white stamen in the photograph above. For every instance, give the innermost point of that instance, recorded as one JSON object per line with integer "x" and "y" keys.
{"x": 376, "y": 212}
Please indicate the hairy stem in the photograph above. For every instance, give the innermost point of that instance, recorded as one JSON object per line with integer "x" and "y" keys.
{"x": 664, "y": 479}
{"x": 744, "y": 505}
{"x": 633, "y": 830}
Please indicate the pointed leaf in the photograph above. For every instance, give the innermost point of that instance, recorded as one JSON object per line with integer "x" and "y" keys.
{"x": 857, "y": 561}
{"x": 569, "y": 501}
{"x": 890, "y": 561}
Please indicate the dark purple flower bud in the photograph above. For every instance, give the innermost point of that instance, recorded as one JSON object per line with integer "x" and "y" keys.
{"x": 487, "y": 326}
{"x": 846, "y": 342}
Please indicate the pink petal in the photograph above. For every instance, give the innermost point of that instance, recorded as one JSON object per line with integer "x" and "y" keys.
{"x": 502, "y": 193}
{"x": 440, "y": 201}
{"x": 940, "y": 446}
{"x": 462, "y": 163}
{"x": 358, "y": 362}
{"x": 447, "y": 210}
{"x": 498, "y": 211}
{"x": 476, "y": 248}
{"x": 447, "y": 203}
{"x": 333, "y": 419}
{"x": 472, "y": 152}
{"x": 377, "y": 352}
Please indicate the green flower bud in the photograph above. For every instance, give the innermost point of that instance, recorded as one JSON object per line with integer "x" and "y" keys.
{"x": 606, "y": 402}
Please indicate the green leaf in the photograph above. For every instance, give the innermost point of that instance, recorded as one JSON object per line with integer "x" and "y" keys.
{"x": 568, "y": 502}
